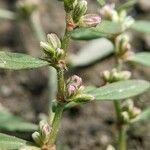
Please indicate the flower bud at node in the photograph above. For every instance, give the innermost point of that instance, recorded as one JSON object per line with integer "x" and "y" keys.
{"x": 71, "y": 90}
{"x": 44, "y": 129}
{"x": 125, "y": 117}
{"x": 47, "y": 48}
{"x": 59, "y": 53}
{"x": 125, "y": 75}
{"x": 108, "y": 12}
{"x": 36, "y": 137}
{"x": 25, "y": 7}
{"x": 54, "y": 41}
{"x": 89, "y": 20}
{"x": 69, "y": 5}
{"x": 122, "y": 44}
{"x": 76, "y": 81}
{"x": 79, "y": 10}
{"x": 73, "y": 85}
{"x": 106, "y": 75}
{"x": 135, "y": 112}
{"x": 128, "y": 21}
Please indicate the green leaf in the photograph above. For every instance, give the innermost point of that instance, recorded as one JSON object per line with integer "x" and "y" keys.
{"x": 141, "y": 26}
{"x": 10, "y": 122}
{"x": 18, "y": 61}
{"x": 104, "y": 29}
{"x": 127, "y": 5}
{"x": 101, "y": 2}
{"x": 119, "y": 90}
{"x": 6, "y": 14}
{"x": 86, "y": 34}
{"x": 145, "y": 115}
{"x": 93, "y": 51}
{"x": 109, "y": 27}
{"x": 11, "y": 143}
{"x": 141, "y": 58}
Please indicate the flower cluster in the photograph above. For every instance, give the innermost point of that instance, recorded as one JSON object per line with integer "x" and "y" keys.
{"x": 108, "y": 12}
{"x": 129, "y": 111}
{"x": 41, "y": 136}
{"x": 26, "y": 7}
{"x": 114, "y": 75}
{"x": 123, "y": 47}
{"x": 74, "y": 90}
{"x": 78, "y": 17}
{"x": 53, "y": 51}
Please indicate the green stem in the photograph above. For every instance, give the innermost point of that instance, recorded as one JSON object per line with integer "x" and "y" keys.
{"x": 117, "y": 109}
{"x": 56, "y": 123}
{"x": 66, "y": 40}
{"x": 122, "y": 138}
{"x": 61, "y": 85}
{"x": 121, "y": 127}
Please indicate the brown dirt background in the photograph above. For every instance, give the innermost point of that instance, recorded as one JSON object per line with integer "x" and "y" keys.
{"x": 25, "y": 93}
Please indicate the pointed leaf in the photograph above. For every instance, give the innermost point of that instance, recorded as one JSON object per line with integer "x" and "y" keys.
{"x": 104, "y": 29}
{"x": 6, "y": 14}
{"x": 141, "y": 26}
{"x": 119, "y": 90}
{"x": 18, "y": 61}
{"x": 93, "y": 51}
{"x": 109, "y": 27}
{"x": 145, "y": 115}
{"x": 10, "y": 122}
{"x": 11, "y": 143}
{"x": 86, "y": 34}
{"x": 141, "y": 58}
{"x": 127, "y": 5}
{"x": 101, "y": 2}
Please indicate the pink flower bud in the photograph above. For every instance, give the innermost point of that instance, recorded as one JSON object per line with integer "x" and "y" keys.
{"x": 107, "y": 11}
{"x": 71, "y": 90}
{"x": 90, "y": 20}
{"x": 76, "y": 81}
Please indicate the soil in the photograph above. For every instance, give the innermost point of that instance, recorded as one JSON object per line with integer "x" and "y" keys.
{"x": 25, "y": 93}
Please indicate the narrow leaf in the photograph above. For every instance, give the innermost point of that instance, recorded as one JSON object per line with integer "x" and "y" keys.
{"x": 10, "y": 122}
{"x": 6, "y": 14}
{"x": 18, "y": 61}
{"x": 11, "y": 143}
{"x": 141, "y": 58}
{"x": 101, "y": 2}
{"x": 141, "y": 26}
{"x": 86, "y": 34}
{"x": 127, "y": 5}
{"x": 119, "y": 90}
{"x": 93, "y": 51}
{"x": 145, "y": 115}
{"x": 109, "y": 27}
{"x": 104, "y": 29}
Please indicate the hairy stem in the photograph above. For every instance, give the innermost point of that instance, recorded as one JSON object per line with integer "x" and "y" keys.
{"x": 61, "y": 85}
{"x": 66, "y": 40}
{"x": 56, "y": 123}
